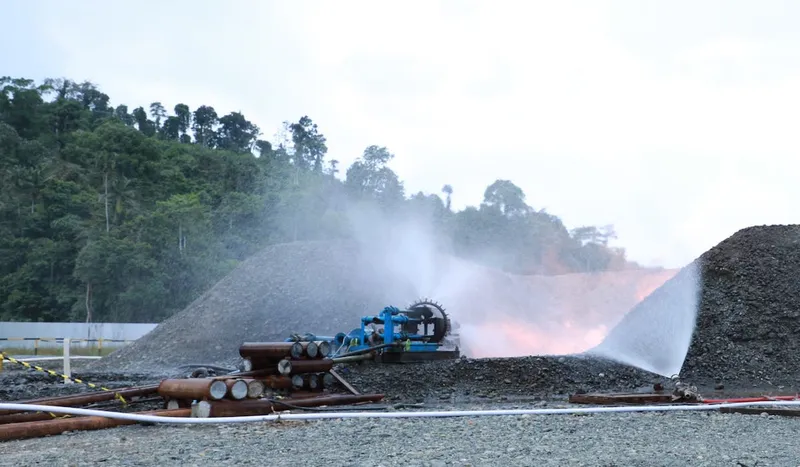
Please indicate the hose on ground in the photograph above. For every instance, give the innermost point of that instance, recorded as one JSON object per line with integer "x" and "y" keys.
{"x": 399, "y": 414}
{"x": 366, "y": 350}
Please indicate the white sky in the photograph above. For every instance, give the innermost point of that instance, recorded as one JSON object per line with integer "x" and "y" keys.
{"x": 676, "y": 121}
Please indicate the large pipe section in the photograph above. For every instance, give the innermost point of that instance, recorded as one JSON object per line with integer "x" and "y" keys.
{"x": 306, "y": 381}
{"x": 292, "y": 367}
{"x": 27, "y": 417}
{"x": 264, "y": 355}
{"x": 38, "y": 429}
{"x": 279, "y": 350}
{"x": 92, "y": 397}
{"x": 205, "y": 409}
{"x": 193, "y": 388}
{"x": 237, "y": 388}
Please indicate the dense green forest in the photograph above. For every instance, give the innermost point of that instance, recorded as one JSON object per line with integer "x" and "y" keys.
{"x": 112, "y": 214}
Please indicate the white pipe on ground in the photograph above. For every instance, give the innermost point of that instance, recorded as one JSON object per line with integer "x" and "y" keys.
{"x": 396, "y": 414}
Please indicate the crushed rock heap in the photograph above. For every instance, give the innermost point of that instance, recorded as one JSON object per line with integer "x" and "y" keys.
{"x": 320, "y": 287}
{"x": 747, "y": 296}
{"x": 325, "y": 287}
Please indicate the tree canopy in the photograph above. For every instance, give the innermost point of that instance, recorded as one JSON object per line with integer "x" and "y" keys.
{"x": 108, "y": 214}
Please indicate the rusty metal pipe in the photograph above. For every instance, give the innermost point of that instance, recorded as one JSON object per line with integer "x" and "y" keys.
{"x": 270, "y": 350}
{"x": 324, "y": 348}
{"x": 272, "y": 370}
{"x": 27, "y": 417}
{"x": 237, "y": 388}
{"x": 253, "y": 364}
{"x": 38, "y": 429}
{"x": 255, "y": 388}
{"x": 293, "y": 367}
{"x": 306, "y": 381}
{"x": 193, "y": 388}
{"x": 206, "y": 409}
{"x": 277, "y": 382}
{"x": 304, "y": 394}
{"x": 327, "y": 380}
{"x": 91, "y": 397}
{"x": 305, "y": 350}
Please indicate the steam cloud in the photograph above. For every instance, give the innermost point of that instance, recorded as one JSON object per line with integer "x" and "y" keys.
{"x": 505, "y": 315}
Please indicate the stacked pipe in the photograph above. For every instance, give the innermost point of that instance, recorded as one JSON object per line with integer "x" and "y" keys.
{"x": 215, "y": 399}
{"x": 298, "y": 365}
{"x": 273, "y": 370}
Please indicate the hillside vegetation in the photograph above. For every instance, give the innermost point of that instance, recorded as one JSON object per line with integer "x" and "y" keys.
{"x": 113, "y": 214}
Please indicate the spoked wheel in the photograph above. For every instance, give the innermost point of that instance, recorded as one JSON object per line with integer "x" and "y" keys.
{"x": 431, "y": 313}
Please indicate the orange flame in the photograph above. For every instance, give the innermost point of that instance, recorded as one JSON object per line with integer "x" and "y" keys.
{"x": 574, "y": 313}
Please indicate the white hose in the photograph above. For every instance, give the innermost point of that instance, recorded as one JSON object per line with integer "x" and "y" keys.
{"x": 331, "y": 415}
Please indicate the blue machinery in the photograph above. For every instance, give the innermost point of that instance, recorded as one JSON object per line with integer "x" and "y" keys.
{"x": 394, "y": 335}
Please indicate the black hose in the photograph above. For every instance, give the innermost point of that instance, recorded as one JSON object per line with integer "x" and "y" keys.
{"x": 367, "y": 350}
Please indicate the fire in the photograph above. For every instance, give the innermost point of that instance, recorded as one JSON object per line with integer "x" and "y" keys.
{"x": 573, "y": 314}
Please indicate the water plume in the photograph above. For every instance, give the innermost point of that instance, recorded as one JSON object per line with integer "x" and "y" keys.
{"x": 655, "y": 335}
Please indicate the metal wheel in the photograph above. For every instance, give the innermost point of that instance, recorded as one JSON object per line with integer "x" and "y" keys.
{"x": 433, "y": 313}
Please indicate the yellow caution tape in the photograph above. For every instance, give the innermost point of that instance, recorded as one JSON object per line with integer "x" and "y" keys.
{"x": 59, "y": 375}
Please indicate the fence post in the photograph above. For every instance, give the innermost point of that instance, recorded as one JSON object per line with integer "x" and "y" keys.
{"x": 67, "y": 369}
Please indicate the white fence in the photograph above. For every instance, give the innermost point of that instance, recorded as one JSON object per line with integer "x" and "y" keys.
{"x": 31, "y": 337}
{"x": 36, "y": 336}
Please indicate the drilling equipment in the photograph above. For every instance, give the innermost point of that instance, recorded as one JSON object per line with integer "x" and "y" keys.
{"x": 422, "y": 332}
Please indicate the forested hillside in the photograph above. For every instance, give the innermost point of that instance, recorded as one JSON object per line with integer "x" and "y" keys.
{"x": 113, "y": 214}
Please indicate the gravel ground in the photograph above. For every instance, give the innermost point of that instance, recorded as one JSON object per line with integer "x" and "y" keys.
{"x": 646, "y": 439}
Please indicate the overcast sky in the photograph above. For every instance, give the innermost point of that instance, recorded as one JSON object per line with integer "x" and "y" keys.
{"x": 676, "y": 121}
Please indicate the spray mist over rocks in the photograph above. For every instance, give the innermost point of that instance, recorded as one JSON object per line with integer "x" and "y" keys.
{"x": 325, "y": 287}
{"x": 498, "y": 314}
{"x": 656, "y": 334}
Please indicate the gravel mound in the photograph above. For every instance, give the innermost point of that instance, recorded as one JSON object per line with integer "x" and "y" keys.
{"x": 521, "y": 378}
{"x": 322, "y": 287}
{"x": 325, "y": 287}
{"x": 747, "y": 297}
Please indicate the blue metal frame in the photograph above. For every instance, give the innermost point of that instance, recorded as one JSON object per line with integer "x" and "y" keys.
{"x": 360, "y": 338}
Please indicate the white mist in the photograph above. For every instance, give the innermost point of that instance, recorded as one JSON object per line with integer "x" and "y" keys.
{"x": 656, "y": 334}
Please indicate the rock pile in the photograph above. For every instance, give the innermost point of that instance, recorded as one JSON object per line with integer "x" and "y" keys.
{"x": 322, "y": 287}
{"x": 747, "y": 296}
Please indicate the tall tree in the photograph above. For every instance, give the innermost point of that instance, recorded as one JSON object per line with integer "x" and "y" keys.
{"x": 205, "y": 120}
{"x": 310, "y": 146}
